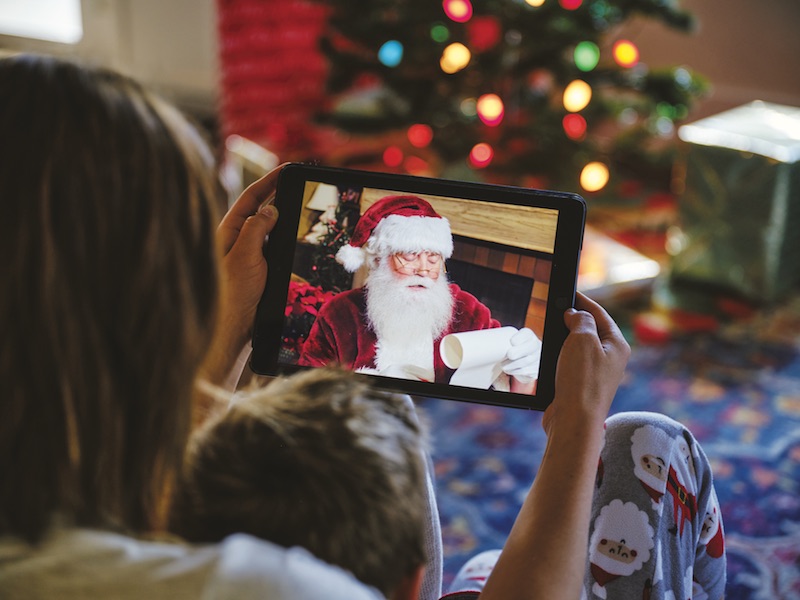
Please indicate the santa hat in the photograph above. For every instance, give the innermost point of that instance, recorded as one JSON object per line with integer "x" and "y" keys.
{"x": 396, "y": 224}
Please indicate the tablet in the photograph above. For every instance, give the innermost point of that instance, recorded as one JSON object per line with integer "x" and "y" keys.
{"x": 426, "y": 286}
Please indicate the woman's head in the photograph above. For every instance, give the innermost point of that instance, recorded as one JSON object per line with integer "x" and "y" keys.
{"x": 110, "y": 288}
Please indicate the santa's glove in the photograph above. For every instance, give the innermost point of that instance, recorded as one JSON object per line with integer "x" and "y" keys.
{"x": 522, "y": 359}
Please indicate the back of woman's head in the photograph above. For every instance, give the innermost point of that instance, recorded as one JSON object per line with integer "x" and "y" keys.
{"x": 109, "y": 292}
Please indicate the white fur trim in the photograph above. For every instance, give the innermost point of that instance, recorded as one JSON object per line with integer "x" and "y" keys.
{"x": 350, "y": 257}
{"x": 397, "y": 233}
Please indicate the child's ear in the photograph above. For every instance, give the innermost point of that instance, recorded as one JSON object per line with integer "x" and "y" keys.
{"x": 410, "y": 585}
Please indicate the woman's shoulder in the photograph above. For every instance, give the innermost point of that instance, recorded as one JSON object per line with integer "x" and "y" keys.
{"x": 79, "y": 563}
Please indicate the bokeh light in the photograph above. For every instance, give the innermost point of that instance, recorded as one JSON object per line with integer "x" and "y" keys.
{"x": 577, "y": 95}
{"x": 481, "y": 155}
{"x": 393, "y": 156}
{"x": 455, "y": 57}
{"x": 440, "y": 33}
{"x": 391, "y": 53}
{"x": 594, "y": 176}
{"x": 574, "y": 126}
{"x": 586, "y": 55}
{"x": 459, "y": 11}
{"x": 570, "y": 4}
{"x": 483, "y": 32}
{"x": 535, "y": 3}
{"x": 626, "y": 54}
{"x": 420, "y": 135}
{"x": 469, "y": 107}
{"x": 490, "y": 109}
{"x": 416, "y": 165}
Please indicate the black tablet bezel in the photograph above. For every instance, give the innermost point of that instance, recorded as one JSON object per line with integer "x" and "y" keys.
{"x": 281, "y": 246}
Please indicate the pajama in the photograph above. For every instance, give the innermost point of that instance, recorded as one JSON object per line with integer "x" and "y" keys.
{"x": 656, "y": 529}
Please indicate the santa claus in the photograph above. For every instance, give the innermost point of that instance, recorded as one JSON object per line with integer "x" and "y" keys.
{"x": 711, "y": 534}
{"x": 393, "y": 325}
{"x": 620, "y": 544}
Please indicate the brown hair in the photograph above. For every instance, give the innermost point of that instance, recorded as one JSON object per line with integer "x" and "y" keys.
{"x": 109, "y": 293}
{"x": 318, "y": 460}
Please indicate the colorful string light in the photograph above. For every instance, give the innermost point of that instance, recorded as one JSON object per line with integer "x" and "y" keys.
{"x": 420, "y": 135}
{"x": 577, "y": 95}
{"x": 570, "y": 4}
{"x": 440, "y": 33}
{"x": 393, "y": 156}
{"x": 481, "y": 155}
{"x": 469, "y": 107}
{"x": 391, "y": 53}
{"x": 416, "y": 165}
{"x": 626, "y": 54}
{"x": 594, "y": 176}
{"x": 490, "y": 109}
{"x": 459, "y": 11}
{"x": 455, "y": 57}
{"x": 574, "y": 126}
{"x": 586, "y": 56}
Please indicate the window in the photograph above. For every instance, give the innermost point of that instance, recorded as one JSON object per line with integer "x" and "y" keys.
{"x": 51, "y": 20}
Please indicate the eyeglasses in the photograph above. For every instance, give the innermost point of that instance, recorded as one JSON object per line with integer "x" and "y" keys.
{"x": 412, "y": 263}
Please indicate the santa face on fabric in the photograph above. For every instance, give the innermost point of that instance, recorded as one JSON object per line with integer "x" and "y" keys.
{"x": 620, "y": 544}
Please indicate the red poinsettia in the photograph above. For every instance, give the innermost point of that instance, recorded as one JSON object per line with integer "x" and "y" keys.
{"x": 302, "y": 307}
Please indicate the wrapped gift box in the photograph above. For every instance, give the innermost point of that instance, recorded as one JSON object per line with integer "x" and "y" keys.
{"x": 739, "y": 214}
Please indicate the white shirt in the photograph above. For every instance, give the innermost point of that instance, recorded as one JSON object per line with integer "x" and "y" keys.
{"x": 81, "y": 563}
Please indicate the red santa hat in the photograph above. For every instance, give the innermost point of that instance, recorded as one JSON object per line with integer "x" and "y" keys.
{"x": 396, "y": 224}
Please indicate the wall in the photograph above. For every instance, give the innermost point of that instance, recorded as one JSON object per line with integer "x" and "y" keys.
{"x": 749, "y": 50}
{"x": 169, "y": 44}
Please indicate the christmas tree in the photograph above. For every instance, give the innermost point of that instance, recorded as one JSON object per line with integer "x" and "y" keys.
{"x": 527, "y": 92}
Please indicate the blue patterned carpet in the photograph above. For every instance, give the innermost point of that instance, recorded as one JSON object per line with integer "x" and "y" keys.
{"x": 738, "y": 390}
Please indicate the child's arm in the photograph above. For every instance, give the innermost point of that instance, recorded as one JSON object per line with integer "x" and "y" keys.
{"x": 545, "y": 555}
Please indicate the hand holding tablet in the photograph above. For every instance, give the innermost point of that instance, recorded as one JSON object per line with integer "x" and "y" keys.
{"x": 414, "y": 262}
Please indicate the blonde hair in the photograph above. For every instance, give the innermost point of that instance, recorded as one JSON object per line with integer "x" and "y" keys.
{"x": 110, "y": 292}
{"x": 318, "y": 460}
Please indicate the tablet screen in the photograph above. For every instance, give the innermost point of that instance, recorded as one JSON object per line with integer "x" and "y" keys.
{"x": 435, "y": 288}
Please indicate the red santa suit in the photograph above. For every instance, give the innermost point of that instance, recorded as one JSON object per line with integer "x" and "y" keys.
{"x": 342, "y": 335}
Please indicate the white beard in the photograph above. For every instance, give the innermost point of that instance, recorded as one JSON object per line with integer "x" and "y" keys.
{"x": 406, "y": 319}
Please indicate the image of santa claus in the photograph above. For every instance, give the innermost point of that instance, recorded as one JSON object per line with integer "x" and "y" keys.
{"x": 711, "y": 534}
{"x": 393, "y": 324}
{"x": 620, "y": 544}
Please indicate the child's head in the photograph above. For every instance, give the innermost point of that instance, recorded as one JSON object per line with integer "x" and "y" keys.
{"x": 319, "y": 460}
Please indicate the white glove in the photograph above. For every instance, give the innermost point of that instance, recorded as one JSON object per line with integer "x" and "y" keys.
{"x": 522, "y": 359}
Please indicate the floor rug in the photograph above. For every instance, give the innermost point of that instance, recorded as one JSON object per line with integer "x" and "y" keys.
{"x": 737, "y": 389}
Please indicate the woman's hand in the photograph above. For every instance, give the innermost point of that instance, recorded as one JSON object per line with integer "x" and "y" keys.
{"x": 240, "y": 238}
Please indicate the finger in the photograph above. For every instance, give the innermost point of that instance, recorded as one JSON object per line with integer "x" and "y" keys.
{"x": 255, "y": 228}
{"x": 580, "y": 321}
{"x": 519, "y": 364}
{"x": 606, "y": 328}
{"x": 257, "y": 193}
{"x": 517, "y": 352}
{"x": 523, "y": 336}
